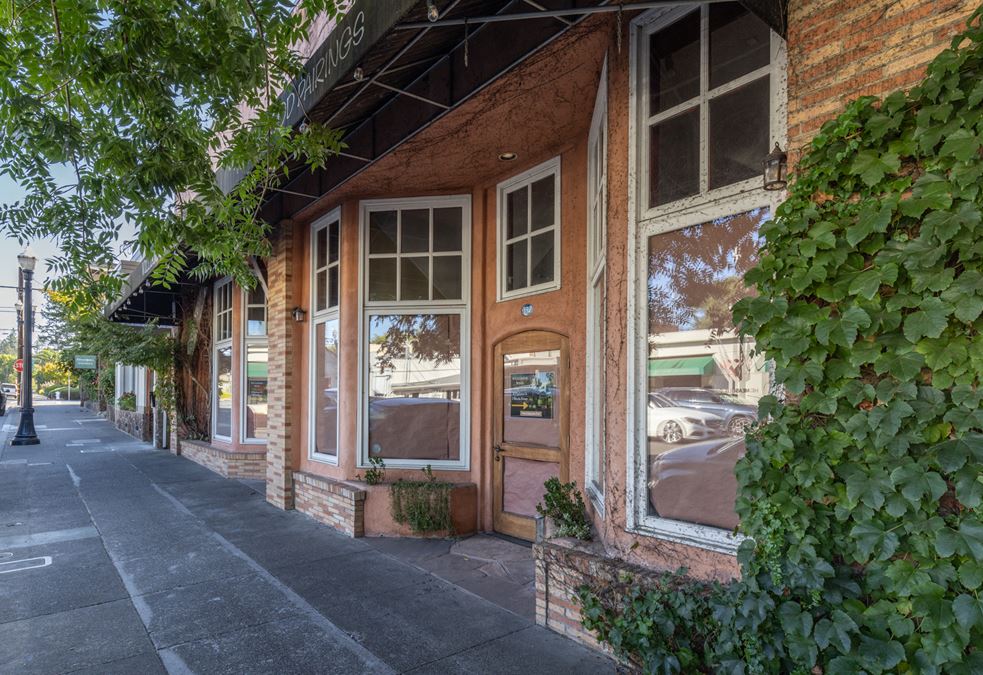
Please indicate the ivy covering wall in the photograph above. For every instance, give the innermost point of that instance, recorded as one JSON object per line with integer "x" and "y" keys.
{"x": 861, "y": 494}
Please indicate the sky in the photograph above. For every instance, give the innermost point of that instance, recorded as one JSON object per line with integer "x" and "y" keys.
{"x": 43, "y": 249}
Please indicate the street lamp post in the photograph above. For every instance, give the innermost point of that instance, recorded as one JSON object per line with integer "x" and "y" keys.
{"x": 25, "y": 431}
{"x": 19, "y": 306}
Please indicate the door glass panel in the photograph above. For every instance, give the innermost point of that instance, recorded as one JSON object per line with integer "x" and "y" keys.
{"x": 522, "y": 484}
{"x": 674, "y": 69}
{"x": 326, "y": 388}
{"x": 674, "y": 158}
{"x": 704, "y": 380}
{"x": 531, "y": 398}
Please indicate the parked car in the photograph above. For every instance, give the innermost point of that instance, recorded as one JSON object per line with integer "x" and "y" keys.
{"x": 696, "y": 483}
{"x": 738, "y": 415}
{"x": 673, "y": 423}
{"x": 3, "y": 403}
{"x": 9, "y": 390}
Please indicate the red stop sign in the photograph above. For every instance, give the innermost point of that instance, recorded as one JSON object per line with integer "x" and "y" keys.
{"x": 19, "y": 365}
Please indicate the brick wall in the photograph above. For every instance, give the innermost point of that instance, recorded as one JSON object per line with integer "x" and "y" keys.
{"x": 839, "y": 50}
{"x": 279, "y": 470}
{"x": 334, "y": 503}
{"x": 244, "y": 464}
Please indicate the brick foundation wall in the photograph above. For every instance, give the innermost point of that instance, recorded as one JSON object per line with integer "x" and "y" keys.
{"x": 336, "y": 504}
{"x": 563, "y": 566}
{"x": 839, "y": 50}
{"x": 251, "y": 464}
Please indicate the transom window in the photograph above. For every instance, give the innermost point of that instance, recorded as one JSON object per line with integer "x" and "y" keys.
{"x": 256, "y": 312}
{"x": 222, "y": 361}
{"x": 326, "y": 263}
{"x": 223, "y": 311}
{"x": 415, "y": 254}
{"x": 528, "y": 232}
{"x": 708, "y": 101}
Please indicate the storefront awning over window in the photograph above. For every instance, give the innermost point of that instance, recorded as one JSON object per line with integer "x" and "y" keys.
{"x": 691, "y": 365}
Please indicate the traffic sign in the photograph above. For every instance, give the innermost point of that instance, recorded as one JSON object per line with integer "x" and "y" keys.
{"x": 19, "y": 365}
{"x": 83, "y": 362}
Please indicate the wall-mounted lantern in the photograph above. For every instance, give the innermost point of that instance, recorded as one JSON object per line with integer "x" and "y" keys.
{"x": 776, "y": 169}
{"x": 299, "y": 314}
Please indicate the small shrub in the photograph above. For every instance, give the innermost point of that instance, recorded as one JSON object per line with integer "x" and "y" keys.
{"x": 423, "y": 505}
{"x": 127, "y": 401}
{"x": 376, "y": 473}
{"x": 564, "y": 505}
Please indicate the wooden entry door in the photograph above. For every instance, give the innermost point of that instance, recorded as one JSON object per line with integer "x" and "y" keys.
{"x": 531, "y": 428}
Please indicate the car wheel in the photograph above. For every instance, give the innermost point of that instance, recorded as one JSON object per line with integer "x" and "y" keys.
{"x": 739, "y": 425}
{"x": 672, "y": 432}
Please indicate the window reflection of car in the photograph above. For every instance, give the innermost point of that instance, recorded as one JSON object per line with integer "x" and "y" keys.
{"x": 696, "y": 483}
{"x": 673, "y": 423}
{"x": 414, "y": 428}
{"x": 738, "y": 415}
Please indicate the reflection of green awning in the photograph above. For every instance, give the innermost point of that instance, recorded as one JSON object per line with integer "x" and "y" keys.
{"x": 693, "y": 365}
{"x": 257, "y": 370}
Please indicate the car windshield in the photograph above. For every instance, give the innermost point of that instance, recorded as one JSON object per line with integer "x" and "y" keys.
{"x": 733, "y": 398}
{"x": 659, "y": 401}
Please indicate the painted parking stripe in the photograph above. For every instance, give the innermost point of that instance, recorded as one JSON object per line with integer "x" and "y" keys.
{"x": 25, "y": 564}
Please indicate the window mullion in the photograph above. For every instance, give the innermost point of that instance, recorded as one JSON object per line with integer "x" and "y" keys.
{"x": 704, "y": 97}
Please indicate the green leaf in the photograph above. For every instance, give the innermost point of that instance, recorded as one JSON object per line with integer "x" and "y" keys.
{"x": 968, "y": 611}
{"x": 961, "y": 144}
{"x": 916, "y": 483}
{"x": 873, "y": 540}
{"x": 971, "y": 574}
{"x": 872, "y": 166}
{"x": 929, "y": 321}
{"x": 904, "y": 366}
{"x": 871, "y": 220}
{"x": 944, "y": 225}
{"x": 967, "y": 540}
{"x": 836, "y": 631}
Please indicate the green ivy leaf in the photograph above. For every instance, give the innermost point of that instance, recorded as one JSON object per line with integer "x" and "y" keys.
{"x": 967, "y": 540}
{"x": 872, "y": 166}
{"x": 968, "y": 611}
{"x": 945, "y": 224}
{"x": 873, "y": 540}
{"x": 916, "y": 483}
{"x": 961, "y": 144}
{"x": 971, "y": 574}
{"x": 871, "y": 220}
{"x": 929, "y": 321}
{"x": 835, "y": 631}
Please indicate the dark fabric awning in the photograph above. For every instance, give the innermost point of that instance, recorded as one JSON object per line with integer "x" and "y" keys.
{"x": 143, "y": 300}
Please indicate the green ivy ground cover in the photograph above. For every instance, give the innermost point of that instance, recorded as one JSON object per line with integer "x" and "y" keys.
{"x": 862, "y": 494}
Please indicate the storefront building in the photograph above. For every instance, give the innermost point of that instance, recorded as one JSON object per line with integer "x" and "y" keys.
{"x": 523, "y": 264}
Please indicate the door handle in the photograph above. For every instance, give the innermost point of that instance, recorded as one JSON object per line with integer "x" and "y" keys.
{"x": 498, "y": 452}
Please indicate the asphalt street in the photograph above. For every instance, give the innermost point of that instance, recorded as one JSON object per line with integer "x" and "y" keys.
{"x": 115, "y": 558}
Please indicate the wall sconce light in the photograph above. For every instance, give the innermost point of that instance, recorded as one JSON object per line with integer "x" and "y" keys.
{"x": 359, "y": 74}
{"x": 776, "y": 169}
{"x": 299, "y": 315}
{"x": 432, "y": 12}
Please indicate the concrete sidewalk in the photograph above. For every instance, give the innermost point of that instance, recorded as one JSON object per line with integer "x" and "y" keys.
{"x": 115, "y": 558}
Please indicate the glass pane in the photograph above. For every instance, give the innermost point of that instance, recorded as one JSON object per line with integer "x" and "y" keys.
{"x": 223, "y": 392}
{"x": 739, "y": 133}
{"x": 334, "y": 242}
{"x": 256, "y": 321}
{"x": 447, "y": 277}
{"x": 414, "y": 387}
{"x": 531, "y": 398}
{"x": 522, "y": 484}
{"x": 674, "y": 162}
{"x": 704, "y": 380}
{"x": 382, "y": 279}
{"x": 515, "y": 262}
{"x": 257, "y": 398}
{"x": 322, "y": 290}
{"x": 326, "y": 388}
{"x": 333, "y": 286}
{"x": 257, "y": 296}
{"x": 674, "y": 64}
{"x": 447, "y": 227}
{"x": 382, "y": 232}
{"x": 517, "y": 213}
{"x": 740, "y": 43}
{"x": 543, "y": 203}
{"x": 597, "y": 364}
{"x": 415, "y": 280}
{"x": 542, "y": 258}
{"x": 416, "y": 231}
{"x": 320, "y": 249}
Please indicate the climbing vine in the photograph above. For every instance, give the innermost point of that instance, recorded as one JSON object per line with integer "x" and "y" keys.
{"x": 424, "y": 505}
{"x": 861, "y": 496}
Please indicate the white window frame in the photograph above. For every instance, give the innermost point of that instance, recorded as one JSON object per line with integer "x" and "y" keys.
{"x": 217, "y": 344}
{"x": 460, "y": 308}
{"x": 594, "y": 413}
{"x": 525, "y": 179}
{"x": 245, "y": 343}
{"x": 318, "y": 317}
{"x": 644, "y": 222}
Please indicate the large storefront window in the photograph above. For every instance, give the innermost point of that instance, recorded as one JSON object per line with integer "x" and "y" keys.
{"x": 710, "y": 104}
{"x": 703, "y": 379}
{"x": 222, "y": 369}
{"x": 325, "y": 328}
{"x": 414, "y": 390}
{"x": 255, "y": 367}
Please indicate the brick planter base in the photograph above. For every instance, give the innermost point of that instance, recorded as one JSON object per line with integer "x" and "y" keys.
{"x": 228, "y": 463}
{"x": 358, "y": 509}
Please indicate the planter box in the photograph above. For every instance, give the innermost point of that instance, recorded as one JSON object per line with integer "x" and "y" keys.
{"x": 227, "y": 463}
{"x": 379, "y": 520}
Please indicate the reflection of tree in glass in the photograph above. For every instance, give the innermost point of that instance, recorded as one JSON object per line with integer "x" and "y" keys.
{"x": 425, "y": 337}
{"x": 696, "y": 274}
